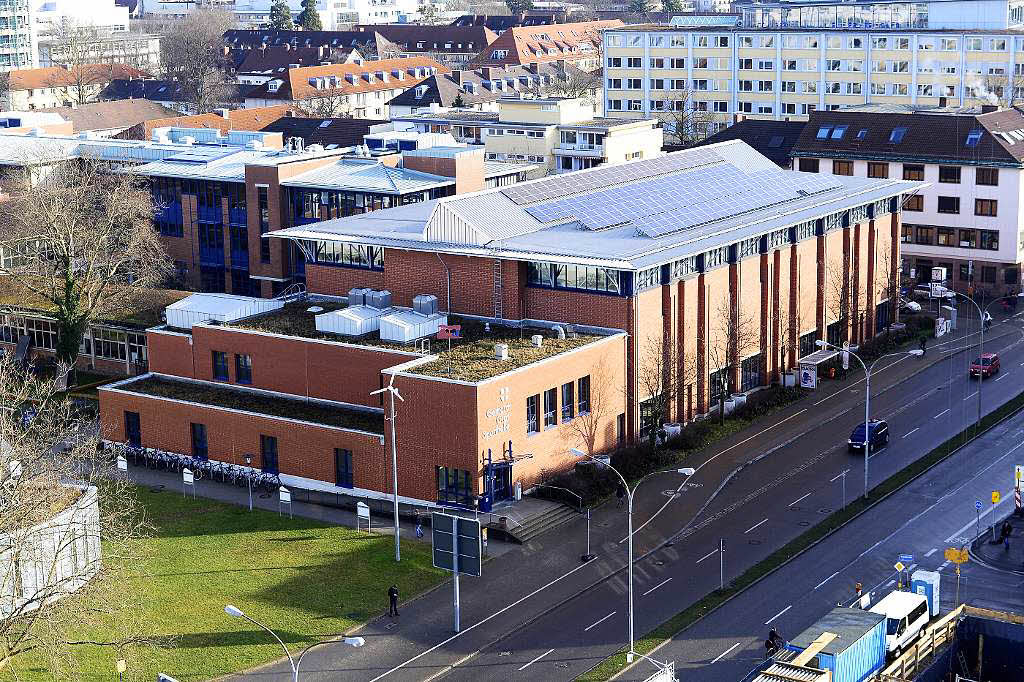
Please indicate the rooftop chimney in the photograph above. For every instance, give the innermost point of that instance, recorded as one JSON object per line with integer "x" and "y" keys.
{"x": 989, "y": 108}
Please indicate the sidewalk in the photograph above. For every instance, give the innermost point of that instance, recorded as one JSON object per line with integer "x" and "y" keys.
{"x": 526, "y": 582}
{"x": 996, "y": 554}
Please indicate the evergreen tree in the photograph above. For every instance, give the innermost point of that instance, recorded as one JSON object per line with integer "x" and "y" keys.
{"x": 281, "y": 16}
{"x": 639, "y": 7}
{"x": 309, "y": 18}
{"x": 519, "y": 6}
{"x": 672, "y": 6}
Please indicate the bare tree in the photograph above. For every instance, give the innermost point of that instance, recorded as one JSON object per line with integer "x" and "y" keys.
{"x": 662, "y": 377}
{"x": 337, "y": 105}
{"x": 996, "y": 88}
{"x": 60, "y": 498}
{"x": 886, "y": 284}
{"x": 87, "y": 245}
{"x": 76, "y": 47}
{"x": 686, "y": 121}
{"x": 571, "y": 82}
{"x": 837, "y": 292}
{"x": 193, "y": 54}
{"x": 586, "y": 427}
{"x": 790, "y": 323}
{"x": 733, "y": 333}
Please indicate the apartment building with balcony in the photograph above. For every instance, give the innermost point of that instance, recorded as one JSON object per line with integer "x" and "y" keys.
{"x": 558, "y": 134}
{"x": 561, "y": 286}
{"x": 17, "y": 35}
{"x": 969, "y": 218}
{"x": 821, "y": 56}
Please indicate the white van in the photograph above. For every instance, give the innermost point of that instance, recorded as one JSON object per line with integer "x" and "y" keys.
{"x": 906, "y": 615}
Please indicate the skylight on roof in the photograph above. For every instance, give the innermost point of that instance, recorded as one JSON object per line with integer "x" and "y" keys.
{"x": 775, "y": 142}
{"x": 973, "y": 138}
{"x": 324, "y": 124}
{"x": 838, "y": 132}
{"x": 862, "y": 134}
{"x": 896, "y": 136}
{"x": 823, "y": 132}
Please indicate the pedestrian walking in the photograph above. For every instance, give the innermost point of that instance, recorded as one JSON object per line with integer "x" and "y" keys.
{"x": 1006, "y": 543}
{"x": 419, "y": 529}
{"x": 769, "y": 648}
{"x": 393, "y": 601}
{"x": 620, "y": 492}
{"x": 924, "y": 344}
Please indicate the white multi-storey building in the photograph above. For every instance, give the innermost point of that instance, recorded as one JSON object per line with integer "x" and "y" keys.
{"x": 969, "y": 218}
{"x": 17, "y": 35}
{"x": 787, "y": 59}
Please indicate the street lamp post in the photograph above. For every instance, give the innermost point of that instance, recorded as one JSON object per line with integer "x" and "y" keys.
{"x": 390, "y": 388}
{"x": 867, "y": 398}
{"x": 629, "y": 509}
{"x": 248, "y": 479}
{"x": 236, "y": 612}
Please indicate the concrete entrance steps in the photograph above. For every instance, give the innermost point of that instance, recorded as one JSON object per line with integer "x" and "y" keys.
{"x": 530, "y": 517}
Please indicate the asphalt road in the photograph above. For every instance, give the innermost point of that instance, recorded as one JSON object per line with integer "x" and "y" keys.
{"x": 541, "y": 614}
{"x": 762, "y": 507}
{"x": 934, "y": 512}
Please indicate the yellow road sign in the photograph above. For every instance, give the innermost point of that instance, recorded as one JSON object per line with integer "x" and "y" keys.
{"x": 899, "y": 567}
{"x": 957, "y": 556}
{"x": 1018, "y": 473}
{"x": 995, "y": 497}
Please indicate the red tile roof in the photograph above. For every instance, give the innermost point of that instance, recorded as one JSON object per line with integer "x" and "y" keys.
{"x": 58, "y": 76}
{"x": 343, "y": 79}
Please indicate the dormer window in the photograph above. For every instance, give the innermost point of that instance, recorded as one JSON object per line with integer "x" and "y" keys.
{"x": 973, "y": 138}
{"x": 896, "y": 136}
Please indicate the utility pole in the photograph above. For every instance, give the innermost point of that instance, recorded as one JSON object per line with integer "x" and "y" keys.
{"x": 721, "y": 564}
{"x": 390, "y": 388}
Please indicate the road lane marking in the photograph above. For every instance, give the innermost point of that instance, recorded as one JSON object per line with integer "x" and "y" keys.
{"x": 890, "y": 583}
{"x": 755, "y": 526}
{"x": 799, "y": 499}
{"x": 497, "y": 613}
{"x": 709, "y": 554}
{"x": 988, "y": 509}
{"x": 931, "y": 551}
{"x": 941, "y": 413}
{"x": 769, "y": 621}
{"x": 837, "y": 477}
{"x": 706, "y": 462}
{"x": 826, "y": 580}
{"x": 1001, "y": 377}
{"x": 725, "y": 653}
{"x": 594, "y": 625}
{"x": 537, "y": 659}
{"x": 971, "y": 395}
{"x": 850, "y": 387}
{"x": 908, "y": 433}
{"x": 943, "y": 565}
{"x": 910, "y": 568}
{"x": 655, "y": 587}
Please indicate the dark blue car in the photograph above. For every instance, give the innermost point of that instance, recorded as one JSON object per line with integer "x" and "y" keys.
{"x": 879, "y": 436}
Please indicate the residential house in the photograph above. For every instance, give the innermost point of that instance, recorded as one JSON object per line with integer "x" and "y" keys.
{"x": 575, "y": 43}
{"x": 222, "y": 120}
{"x": 256, "y": 66}
{"x": 453, "y": 46}
{"x": 110, "y": 119}
{"x": 169, "y": 93}
{"x": 358, "y": 90}
{"x": 57, "y": 86}
{"x": 774, "y": 139}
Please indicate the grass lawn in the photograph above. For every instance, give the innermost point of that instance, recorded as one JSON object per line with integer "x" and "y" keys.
{"x": 305, "y": 580}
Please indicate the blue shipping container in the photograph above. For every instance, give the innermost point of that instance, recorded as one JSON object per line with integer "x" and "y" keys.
{"x": 858, "y": 650}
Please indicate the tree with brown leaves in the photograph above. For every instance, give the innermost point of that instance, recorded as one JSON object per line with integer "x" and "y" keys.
{"x": 192, "y": 51}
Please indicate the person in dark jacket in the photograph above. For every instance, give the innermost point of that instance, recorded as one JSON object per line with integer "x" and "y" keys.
{"x": 620, "y": 492}
{"x": 393, "y": 601}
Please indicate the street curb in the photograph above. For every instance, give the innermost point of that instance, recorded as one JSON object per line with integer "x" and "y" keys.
{"x": 829, "y": 534}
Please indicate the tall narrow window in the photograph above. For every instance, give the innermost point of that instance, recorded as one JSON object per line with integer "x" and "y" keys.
{"x": 268, "y": 451}
{"x": 568, "y": 402}
{"x": 550, "y": 407}
{"x": 220, "y": 365}
{"x": 583, "y": 392}
{"x": 132, "y": 429}
{"x": 532, "y": 414}
{"x": 243, "y": 368}
{"x": 264, "y": 212}
{"x": 343, "y": 468}
{"x": 199, "y": 445}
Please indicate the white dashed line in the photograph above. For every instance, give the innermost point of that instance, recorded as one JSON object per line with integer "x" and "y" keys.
{"x": 769, "y": 621}
{"x": 725, "y": 653}
{"x": 595, "y": 624}
{"x": 537, "y": 659}
{"x": 655, "y": 587}
{"x": 943, "y": 565}
{"x": 755, "y": 526}
{"x": 826, "y": 580}
{"x": 908, "y": 433}
{"x": 941, "y": 413}
{"x": 799, "y": 499}
{"x": 890, "y": 583}
{"x": 708, "y": 555}
{"x": 931, "y": 551}
{"x": 1001, "y": 377}
{"x": 971, "y": 395}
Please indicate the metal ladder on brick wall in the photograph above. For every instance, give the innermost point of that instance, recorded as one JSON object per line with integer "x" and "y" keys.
{"x": 498, "y": 312}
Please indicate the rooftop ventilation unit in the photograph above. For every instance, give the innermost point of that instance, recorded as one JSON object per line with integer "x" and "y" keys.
{"x": 405, "y": 326}
{"x": 378, "y": 299}
{"x": 425, "y": 304}
{"x": 358, "y": 320}
{"x": 357, "y": 296}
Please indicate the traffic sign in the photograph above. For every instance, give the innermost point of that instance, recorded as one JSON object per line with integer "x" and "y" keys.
{"x": 977, "y": 505}
{"x": 907, "y": 558}
{"x": 995, "y": 497}
{"x": 1018, "y": 473}
{"x": 957, "y": 556}
{"x": 899, "y": 567}
{"x": 442, "y": 531}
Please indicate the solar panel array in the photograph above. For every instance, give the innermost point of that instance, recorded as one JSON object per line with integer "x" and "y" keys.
{"x": 669, "y": 204}
{"x": 560, "y": 186}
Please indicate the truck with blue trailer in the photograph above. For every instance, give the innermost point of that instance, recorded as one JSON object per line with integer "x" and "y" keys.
{"x": 857, "y": 650}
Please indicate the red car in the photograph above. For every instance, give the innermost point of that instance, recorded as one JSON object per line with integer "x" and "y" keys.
{"x": 985, "y": 366}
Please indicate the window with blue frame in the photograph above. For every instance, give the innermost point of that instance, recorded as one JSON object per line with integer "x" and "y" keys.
{"x": 208, "y": 202}
{"x": 344, "y": 254}
{"x": 220, "y": 365}
{"x": 239, "y": 236}
{"x": 200, "y": 448}
{"x": 235, "y": 194}
{"x": 243, "y": 368}
{"x": 343, "y": 468}
{"x": 241, "y": 285}
{"x": 211, "y": 243}
{"x": 211, "y": 279}
{"x": 578, "y": 277}
{"x": 263, "y": 206}
{"x": 453, "y": 486}
{"x": 316, "y": 205}
{"x": 166, "y": 193}
{"x": 268, "y": 453}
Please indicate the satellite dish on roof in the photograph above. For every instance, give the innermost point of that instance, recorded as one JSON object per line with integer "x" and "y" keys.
{"x": 314, "y": 309}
